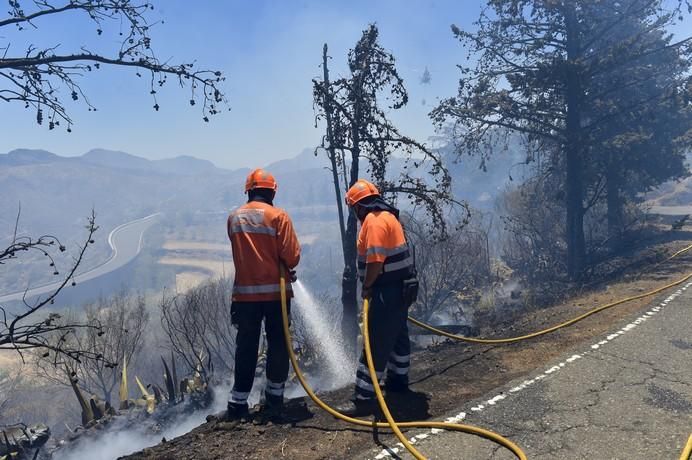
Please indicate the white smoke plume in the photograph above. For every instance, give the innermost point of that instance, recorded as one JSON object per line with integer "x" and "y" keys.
{"x": 115, "y": 442}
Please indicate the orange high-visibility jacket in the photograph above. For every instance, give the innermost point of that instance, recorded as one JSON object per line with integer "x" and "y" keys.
{"x": 262, "y": 239}
{"x": 381, "y": 239}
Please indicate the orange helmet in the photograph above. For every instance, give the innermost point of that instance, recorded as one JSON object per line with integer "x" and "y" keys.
{"x": 361, "y": 189}
{"x": 259, "y": 178}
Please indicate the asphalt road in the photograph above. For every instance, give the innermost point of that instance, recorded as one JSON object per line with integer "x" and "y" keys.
{"x": 626, "y": 396}
{"x": 125, "y": 241}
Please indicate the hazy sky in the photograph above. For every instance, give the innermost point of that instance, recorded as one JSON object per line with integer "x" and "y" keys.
{"x": 269, "y": 51}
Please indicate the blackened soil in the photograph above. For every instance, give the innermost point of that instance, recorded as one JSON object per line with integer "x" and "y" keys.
{"x": 444, "y": 377}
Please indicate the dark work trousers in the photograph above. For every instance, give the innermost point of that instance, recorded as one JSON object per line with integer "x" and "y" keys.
{"x": 247, "y": 317}
{"x": 389, "y": 340}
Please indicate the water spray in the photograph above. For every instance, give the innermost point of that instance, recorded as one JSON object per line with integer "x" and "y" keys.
{"x": 324, "y": 337}
{"x": 391, "y": 424}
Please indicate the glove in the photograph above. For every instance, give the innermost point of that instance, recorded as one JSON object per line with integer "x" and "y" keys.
{"x": 292, "y": 275}
{"x": 366, "y": 293}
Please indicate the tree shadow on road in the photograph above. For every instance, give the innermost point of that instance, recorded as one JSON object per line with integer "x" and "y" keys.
{"x": 408, "y": 406}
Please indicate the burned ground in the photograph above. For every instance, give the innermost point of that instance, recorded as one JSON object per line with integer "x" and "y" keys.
{"x": 443, "y": 376}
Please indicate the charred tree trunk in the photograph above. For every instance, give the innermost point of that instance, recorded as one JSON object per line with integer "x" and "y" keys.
{"x": 614, "y": 202}
{"x": 348, "y": 231}
{"x": 360, "y": 127}
{"x": 331, "y": 150}
{"x": 349, "y": 288}
{"x": 349, "y": 283}
{"x": 107, "y": 396}
{"x": 576, "y": 249}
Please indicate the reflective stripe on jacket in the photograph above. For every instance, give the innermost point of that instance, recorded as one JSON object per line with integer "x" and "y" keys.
{"x": 381, "y": 239}
{"x": 262, "y": 239}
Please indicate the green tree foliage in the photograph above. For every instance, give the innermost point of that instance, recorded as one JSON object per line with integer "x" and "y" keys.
{"x": 563, "y": 73}
{"x": 638, "y": 117}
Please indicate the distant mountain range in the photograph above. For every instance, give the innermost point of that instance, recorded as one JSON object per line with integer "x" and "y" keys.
{"x": 181, "y": 165}
{"x": 184, "y": 165}
{"x": 56, "y": 192}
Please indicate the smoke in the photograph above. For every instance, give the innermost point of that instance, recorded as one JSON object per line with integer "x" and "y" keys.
{"x": 115, "y": 441}
{"x": 120, "y": 439}
{"x": 508, "y": 287}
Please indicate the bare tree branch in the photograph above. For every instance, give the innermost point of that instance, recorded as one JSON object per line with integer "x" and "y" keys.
{"x": 35, "y": 78}
{"x": 29, "y": 329}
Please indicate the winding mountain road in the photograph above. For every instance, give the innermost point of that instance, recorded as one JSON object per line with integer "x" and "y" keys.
{"x": 125, "y": 241}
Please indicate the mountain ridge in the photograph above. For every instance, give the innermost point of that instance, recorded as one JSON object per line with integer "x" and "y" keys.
{"x": 178, "y": 165}
{"x": 56, "y": 192}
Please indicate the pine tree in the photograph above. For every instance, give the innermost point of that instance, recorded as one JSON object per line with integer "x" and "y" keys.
{"x": 545, "y": 70}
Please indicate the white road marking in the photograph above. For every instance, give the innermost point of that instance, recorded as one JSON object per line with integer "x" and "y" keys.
{"x": 388, "y": 452}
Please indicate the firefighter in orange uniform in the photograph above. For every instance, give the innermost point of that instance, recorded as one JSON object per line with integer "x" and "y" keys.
{"x": 387, "y": 274}
{"x": 263, "y": 242}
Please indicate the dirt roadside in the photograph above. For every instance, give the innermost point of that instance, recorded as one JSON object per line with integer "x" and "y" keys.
{"x": 443, "y": 377}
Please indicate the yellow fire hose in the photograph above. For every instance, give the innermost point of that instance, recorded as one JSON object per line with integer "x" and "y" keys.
{"x": 394, "y": 425}
{"x": 558, "y": 326}
{"x": 391, "y": 424}
{"x": 687, "y": 451}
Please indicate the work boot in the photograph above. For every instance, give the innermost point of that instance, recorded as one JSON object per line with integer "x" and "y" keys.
{"x": 239, "y": 412}
{"x": 358, "y": 407}
{"x": 271, "y": 411}
{"x": 396, "y": 386}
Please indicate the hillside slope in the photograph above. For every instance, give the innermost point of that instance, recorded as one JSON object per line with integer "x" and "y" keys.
{"x": 444, "y": 377}
{"x": 58, "y": 193}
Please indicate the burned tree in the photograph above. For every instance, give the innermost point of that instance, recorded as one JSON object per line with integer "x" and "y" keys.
{"x": 124, "y": 320}
{"x": 29, "y": 329}
{"x": 544, "y": 69}
{"x": 198, "y": 326}
{"x": 448, "y": 268}
{"x": 358, "y": 129}
{"x": 35, "y": 76}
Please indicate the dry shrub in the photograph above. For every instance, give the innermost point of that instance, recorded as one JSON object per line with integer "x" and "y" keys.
{"x": 533, "y": 240}
{"x": 198, "y": 326}
{"x": 453, "y": 267}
